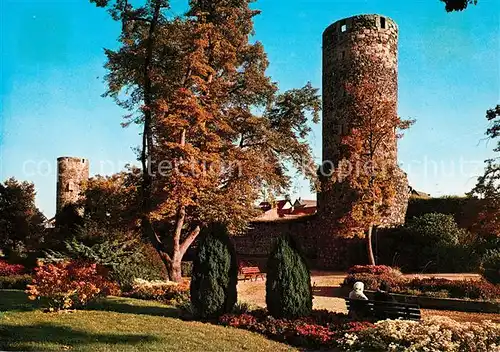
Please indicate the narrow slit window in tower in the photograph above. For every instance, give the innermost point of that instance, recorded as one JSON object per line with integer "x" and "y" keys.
{"x": 382, "y": 22}
{"x": 343, "y": 26}
{"x": 343, "y": 54}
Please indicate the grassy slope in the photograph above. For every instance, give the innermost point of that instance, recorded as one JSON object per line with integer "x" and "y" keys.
{"x": 117, "y": 324}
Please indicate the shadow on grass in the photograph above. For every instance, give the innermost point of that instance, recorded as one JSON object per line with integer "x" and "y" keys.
{"x": 124, "y": 306}
{"x": 16, "y": 300}
{"x": 30, "y": 337}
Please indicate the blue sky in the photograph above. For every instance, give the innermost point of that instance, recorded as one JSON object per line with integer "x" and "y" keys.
{"x": 52, "y": 81}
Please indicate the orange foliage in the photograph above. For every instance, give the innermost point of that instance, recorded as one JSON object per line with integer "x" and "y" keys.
{"x": 70, "y": 284}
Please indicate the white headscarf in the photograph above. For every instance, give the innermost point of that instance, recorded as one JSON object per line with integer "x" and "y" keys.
{"x": 357, "y": 291}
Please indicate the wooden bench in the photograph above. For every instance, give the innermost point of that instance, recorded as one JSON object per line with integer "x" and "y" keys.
{"x": 250, "y": 272}
{"x": 378, "y": 310}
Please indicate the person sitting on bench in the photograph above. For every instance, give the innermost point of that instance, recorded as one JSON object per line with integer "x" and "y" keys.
{"x": 383, "y": 296}
{"x": 358, "y": 311}
{"x": 383, "y": 293}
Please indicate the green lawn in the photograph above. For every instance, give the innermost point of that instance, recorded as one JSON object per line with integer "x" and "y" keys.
{"x": 116, "y": 324}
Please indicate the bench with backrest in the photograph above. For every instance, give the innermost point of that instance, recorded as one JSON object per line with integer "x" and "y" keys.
{"x": 378, "y": 310}
{"x": 251, "y": 272}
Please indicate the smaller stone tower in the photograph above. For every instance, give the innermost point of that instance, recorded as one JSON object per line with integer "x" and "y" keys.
{"x": 71, "y": 172}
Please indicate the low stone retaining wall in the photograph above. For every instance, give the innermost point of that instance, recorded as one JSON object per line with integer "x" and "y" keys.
{"x": 460, "y": 305}
{"x": 453, "y": 304}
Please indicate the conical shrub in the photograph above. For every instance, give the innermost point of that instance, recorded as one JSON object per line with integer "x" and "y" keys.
{"x": 215, "y": 274}
{"x": 288, "y": 285}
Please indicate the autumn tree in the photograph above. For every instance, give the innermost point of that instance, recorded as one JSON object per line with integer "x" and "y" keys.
{"x": 369, "y": 172}
{"x": 488, "y": 185}
{"x": 21, "y": 223}
{"x": 215, "y": 127}
{"x": 112, "y": 202}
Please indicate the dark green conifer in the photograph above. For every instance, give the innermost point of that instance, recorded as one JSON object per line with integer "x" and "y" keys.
{"x": 215, "y": 274}
{"x": 288, "y": 285}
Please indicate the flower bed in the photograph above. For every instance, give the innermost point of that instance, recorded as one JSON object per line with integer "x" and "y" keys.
{"x": 327, "y": 330}
{"x": 372, "y": 281}
{"x": 321, "y": 330}
{"x": 438, "y": 334}
{"x": 374, "y": 269}
{"x": 469, "y": 289}
{"x": 163, "y": 291}
{"x": 7, "y": 269}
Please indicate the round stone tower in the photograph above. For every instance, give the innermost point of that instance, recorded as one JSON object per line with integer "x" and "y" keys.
{"x": 346, "y": 44}
{"x": 352, "y": 47}
{"x": 71, "y": 172}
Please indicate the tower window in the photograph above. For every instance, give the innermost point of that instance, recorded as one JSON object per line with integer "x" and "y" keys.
{"x": 343, "y": 54}
{"x": 382, "y": 22}
{"x": 343, "y": 26}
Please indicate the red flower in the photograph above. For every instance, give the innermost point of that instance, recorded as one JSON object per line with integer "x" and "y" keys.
{"x": 320, "y": 330}
{"x": 7, "y": 269}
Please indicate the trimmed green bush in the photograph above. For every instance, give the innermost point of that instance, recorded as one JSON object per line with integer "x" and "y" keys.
{"x": 288, "y": 285}
{"x": 438, "y": 243}
{"x": 490, "y": 266}
{"x": 429, "y": 243}
{"x": 215, "y": 274}
{"x": 438, "y": 228}
{"x": 15, "y": 282}
{"x": 463, "y": 209}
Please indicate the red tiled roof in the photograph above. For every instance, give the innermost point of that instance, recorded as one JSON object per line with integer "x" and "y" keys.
{"x": 306, "y": 203}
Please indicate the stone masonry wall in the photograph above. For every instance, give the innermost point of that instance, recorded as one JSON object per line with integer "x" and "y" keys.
{"x": 260, "y": 237}
{"x": 71, "y": 172}
{"x": 257, "y": 242}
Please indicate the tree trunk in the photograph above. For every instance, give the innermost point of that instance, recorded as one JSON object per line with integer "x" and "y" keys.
{"x": 174, "y": 267}
{"x": 172, "y": 264}
{"x": 147, "y": 139}
{"x": 371, "y": 257}
{"x": 173, "y": 260}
